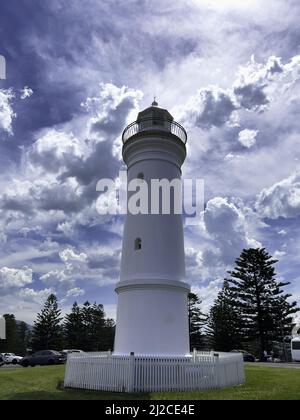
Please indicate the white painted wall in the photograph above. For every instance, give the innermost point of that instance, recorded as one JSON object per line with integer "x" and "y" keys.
{"x": 152, "y": 316}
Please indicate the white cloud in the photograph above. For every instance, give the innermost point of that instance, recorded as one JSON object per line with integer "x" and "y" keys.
{"x": 38, "y": 296}
{"x": 76, "y": 292}
{"x": 110, "y": 110}
{"x": 279, "y": 254}
{"x": 70, "y": 255}
{"x": 248, "y": 137}
{"x": 24, "y": 303}
{"x": 56, "y": 150}
{"x": 14, "y": 278}
{"x": 227, "y": 225}
{"x": 59, "y": 278}
{"x": 208, "y": 293}
{"x": 26, "y": 92}
{"x": 6, "y": 111}
{"x": 281, "y": 199}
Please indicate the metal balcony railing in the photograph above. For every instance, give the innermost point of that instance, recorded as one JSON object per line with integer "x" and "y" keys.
{"x": 154, "y": 124}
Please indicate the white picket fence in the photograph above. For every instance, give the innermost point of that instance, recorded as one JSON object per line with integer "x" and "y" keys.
{"x": 201, "y": 371}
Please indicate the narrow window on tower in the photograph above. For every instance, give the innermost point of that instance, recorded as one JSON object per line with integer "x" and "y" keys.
{"x": 138, "y": 244}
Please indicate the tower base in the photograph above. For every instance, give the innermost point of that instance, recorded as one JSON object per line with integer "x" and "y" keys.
{"x": 152, "y": 318}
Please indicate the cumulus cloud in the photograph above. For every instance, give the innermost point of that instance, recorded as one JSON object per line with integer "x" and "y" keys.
{"x": 60, "y": 169}
{"x": 210, "y": 107}
{"x": 56, "y": 151}
{"x": 29, "y": 197}
{"x": 256, "y": 86}
{"x": 70, "y": 255}
{"x": 110, "y": 110}
{"x": 59, "y": 278}
{"x": 14, "y": 278}
{"x": 247, "y": 138}
{"x": 26, "y": 92}
{"x": 54, "y": 194}
{"x": 38, "y": 296}
{"x": 6, "y": 111}
{"x": 227, "y": 225}
{"x": 96, "y": 266}
{"x": 281, "y": 199}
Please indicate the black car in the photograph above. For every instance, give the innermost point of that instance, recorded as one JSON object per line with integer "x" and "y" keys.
{"x": 248, "y": 357}
{"x": 44, "y": 358}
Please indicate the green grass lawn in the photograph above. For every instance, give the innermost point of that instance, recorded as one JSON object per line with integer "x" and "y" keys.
{"x": 263, "y": 383}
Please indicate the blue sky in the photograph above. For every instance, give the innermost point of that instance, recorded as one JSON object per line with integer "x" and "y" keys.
{"x": 79, "y": 71}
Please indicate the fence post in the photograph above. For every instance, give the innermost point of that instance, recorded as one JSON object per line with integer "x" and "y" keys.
{"x": 216, "y": 359}
{"x": 131, "y": 372}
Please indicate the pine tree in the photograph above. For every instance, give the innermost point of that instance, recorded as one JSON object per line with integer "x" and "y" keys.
{"x": 24, "y": 338}
{"x": 224, "y": 326}
{"x": 74, "y": 329}
{"x": 259, "y": 297}
{"x": 108, "y": 335}
{"x": 47, "y": 331}
{"x": 87, "y": 320}
{"x": 197, "y": 320}
{"x": 87, "y": 329}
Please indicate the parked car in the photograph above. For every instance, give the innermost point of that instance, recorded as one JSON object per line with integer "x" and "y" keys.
{"x": 1, "y": 360}
{"x": 44, "y": 358}
{"x": 72, "y": 351}
{"x": 11, "y": 359}
{"x": 248, "y": 357}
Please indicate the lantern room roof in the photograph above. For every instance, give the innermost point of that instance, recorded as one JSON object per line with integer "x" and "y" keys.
{"x": 155, "y": 112}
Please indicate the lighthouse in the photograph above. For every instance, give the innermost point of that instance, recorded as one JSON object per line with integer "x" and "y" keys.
{"x": 152, "y": 309}
{"x": 152, "y": 351}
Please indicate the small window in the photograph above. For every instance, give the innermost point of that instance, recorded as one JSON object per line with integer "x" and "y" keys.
{"x": 141, "y": 176}
{"x": 138, "y": 244}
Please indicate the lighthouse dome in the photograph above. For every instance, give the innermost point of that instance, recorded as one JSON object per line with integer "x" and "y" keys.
{"x": 155, "y": 119}
{"x": 155, "y": 113}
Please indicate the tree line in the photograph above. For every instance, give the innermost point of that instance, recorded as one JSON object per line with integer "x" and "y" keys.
{"x": 252, "y": 312}
{"x": 85, "y": 328}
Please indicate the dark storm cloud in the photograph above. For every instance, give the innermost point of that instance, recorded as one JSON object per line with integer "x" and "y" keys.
{"x": 251, "y": 96}
{"x": 18, "y": 204}
{"x": 100, "y": 164}
{"x": 210, "y": 107}
{"x": 217, "y": 109}
{"x": 60, "y": 48}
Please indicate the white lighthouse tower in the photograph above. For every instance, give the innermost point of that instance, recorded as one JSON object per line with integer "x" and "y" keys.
{"x": 152, "y": 351}
{"x": 152, "y": 315}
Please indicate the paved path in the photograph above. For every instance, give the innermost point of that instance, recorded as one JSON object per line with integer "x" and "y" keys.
{"x": 277, "y": 365}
